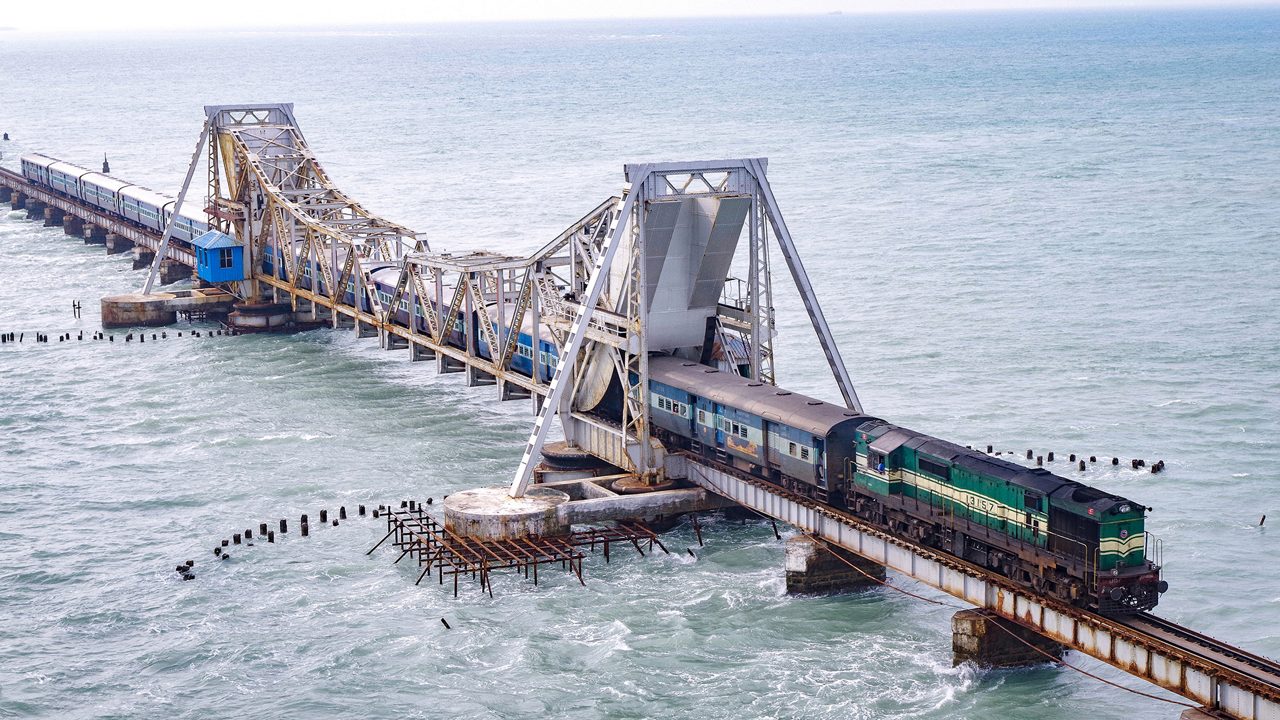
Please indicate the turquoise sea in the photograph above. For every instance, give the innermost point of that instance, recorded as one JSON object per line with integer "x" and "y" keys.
{"x": 1044, "y": 230}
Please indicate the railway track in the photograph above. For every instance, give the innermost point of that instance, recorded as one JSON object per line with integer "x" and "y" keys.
{"x": 1234, "y": 666}
{"x": 1184, "y": 640}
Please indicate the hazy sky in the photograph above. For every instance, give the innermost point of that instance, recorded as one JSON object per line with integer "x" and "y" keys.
{"x": 81, "y": 15}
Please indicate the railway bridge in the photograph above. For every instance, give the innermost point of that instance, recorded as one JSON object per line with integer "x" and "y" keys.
{"x": 681, "y": 262}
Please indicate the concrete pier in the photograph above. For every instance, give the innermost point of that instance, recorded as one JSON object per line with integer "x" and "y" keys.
{"x": 986, "y": 639}
{"x": 492, "y": 514}
{"x": 156, "y": 309}
{"x": 18, "y": 201}
{"x": 6, "y": 193}
{"x": 73, "y": 225}
{"x": 815, "y": 567}
{"x": 142, "y": 257}
{"x": 138, "y": 309}
{"x": 53, "y": 217}
{"x": 35, "y": 209}
{"x": 117, "y": 244}
{"x": 261, "y": 317}
{"x": 94, "y": 235}
{"x": 171, "y": 271}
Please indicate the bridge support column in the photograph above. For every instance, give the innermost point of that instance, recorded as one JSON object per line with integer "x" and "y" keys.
{"x": 446, "y": 364}
{"x": 18, "y": 201}
{"x": 477, "y": 377}
{"x": 172, "y": 271}
{"x": 117, "y": 244}
{"x": 511, "y": 391}
{"x": 6, "y": 193}
{"x": 984, "y": 638}
{"x": 142, "y": 257}
{"x": 35, "y": 209}
{"x": 391, "y": 341}
{"x": 94, "y": 235}
{"x": 53, "y": 217}
{"x": 816, "y": 567}
{"x": 418, "y": 353}
{"x": 73, "y": 225}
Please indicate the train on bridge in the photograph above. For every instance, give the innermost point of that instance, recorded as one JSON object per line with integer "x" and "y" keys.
{"x": 1052, "y": 534}
{"x": 1057, "y": 536}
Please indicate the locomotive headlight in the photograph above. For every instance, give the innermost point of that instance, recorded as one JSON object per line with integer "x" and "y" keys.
{"x": 1124, "y": 508}
{"x": 1115, "y": 572}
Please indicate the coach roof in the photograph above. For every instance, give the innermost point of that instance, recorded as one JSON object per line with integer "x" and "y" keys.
{"x": 767, "y": 401}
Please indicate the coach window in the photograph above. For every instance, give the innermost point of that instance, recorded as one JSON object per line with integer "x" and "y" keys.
{"x": 875, "y": 461}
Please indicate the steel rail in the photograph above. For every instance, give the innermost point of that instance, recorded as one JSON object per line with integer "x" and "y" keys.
{"x": 1262, "y": 669}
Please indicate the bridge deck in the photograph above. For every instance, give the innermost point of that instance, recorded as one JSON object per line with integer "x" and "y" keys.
{"x": 1231, "y": 681}
{"x": 178, "y": 250}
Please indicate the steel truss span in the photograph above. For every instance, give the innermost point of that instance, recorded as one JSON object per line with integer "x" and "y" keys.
{"x": 566, "y": 326}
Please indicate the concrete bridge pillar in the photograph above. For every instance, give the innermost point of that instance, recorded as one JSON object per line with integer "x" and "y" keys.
{"x": 94, "y": 235}
{"x": 984, "y": 638}
{"x": 53, "y": 216}
{"x": 142, "y": 257}
{"x": 117, "y": 244}
{"x": 6, "y": 193}
{"x": 817, "y": 567}
{"x": 73, "y": 225}
{"x": 418, "y": 353}
{"x": 18, "y": 201}
{"x": 35, "y": 209}
{"x": 172, "y": 271}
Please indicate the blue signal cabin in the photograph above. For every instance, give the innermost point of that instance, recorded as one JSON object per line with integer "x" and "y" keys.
{"x": 219, "y": 257}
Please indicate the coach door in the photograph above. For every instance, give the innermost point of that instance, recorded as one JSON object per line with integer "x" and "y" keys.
{"x": 718, "y": 422}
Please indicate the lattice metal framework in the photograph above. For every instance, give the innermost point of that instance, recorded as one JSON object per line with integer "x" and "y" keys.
{"x": 589, "y": 293}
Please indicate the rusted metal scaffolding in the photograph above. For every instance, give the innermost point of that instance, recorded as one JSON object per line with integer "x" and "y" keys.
{"x": 417, "y": 534}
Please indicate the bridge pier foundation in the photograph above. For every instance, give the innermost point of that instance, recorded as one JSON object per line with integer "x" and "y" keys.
{"x": 35, "y": 209}
{"x": 478, "y": 378}
{"x": 18, "y": 201}
{"x": 172, "y": 271}
{"x": 142, "y": 257}
{"x": 53, "y": 217}
{"x": 512, "y": 391}
{"x": 365, "y": 330}
{"x": 816, "y": 567}
{"x": 6, "y": 193}
{"x": 391, "y": 341}
{"x": 94, "y": 235}
{"x": 73, "y": 225}
{"x": 117, "y": 244}
{"x": 446, "y": 364}
{"x": 984, "y": 638}
{"x": 418, "y": 353}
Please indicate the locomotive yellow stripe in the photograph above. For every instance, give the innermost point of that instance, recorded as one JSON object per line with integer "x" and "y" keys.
{"x": 971, "y": 499}
{"x": 1137, "y": 541}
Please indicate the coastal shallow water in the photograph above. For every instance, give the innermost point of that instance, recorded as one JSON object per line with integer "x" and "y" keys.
{"x": 1043, "y": 230}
